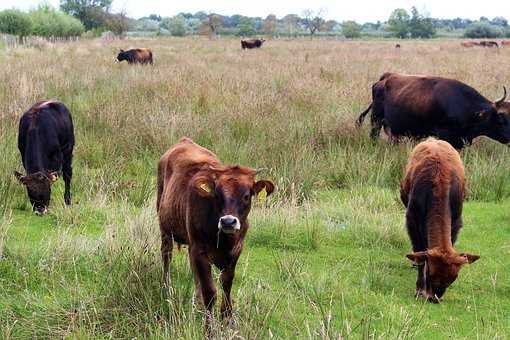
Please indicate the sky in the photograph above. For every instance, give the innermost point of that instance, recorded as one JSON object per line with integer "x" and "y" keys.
{"x": 358, "y": 10}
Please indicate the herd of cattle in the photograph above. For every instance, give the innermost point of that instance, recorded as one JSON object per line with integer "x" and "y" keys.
{"x": 204, "y": 204}
{"x": 485, "y": 43}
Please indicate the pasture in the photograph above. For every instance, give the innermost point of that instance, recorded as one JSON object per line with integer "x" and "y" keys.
{"x": 325, "y": 255}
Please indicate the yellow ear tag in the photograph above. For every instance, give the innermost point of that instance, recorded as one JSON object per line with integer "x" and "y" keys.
{"x": 262, "y": 194}
{"x": 205, "y": 187}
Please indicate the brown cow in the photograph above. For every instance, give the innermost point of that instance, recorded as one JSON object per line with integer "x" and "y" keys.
{"x": 204, "y": 204}
{"x": 251, "y": 43}
{"x": 136, "y": 55}
{"x": 433, "y": 191}
{"x": 505, "y": 43}
{"x": 468, "y": 43}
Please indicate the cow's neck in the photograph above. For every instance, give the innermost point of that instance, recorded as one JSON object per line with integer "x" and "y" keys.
{"x": 33, "y": 152}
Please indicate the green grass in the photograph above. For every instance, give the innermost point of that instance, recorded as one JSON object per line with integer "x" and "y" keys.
{"x": 325, "y": 256}
{"x": 335, "y": 266}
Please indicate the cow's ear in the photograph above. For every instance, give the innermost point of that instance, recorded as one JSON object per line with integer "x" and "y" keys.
{"x": 470, "y": 258}
{"x": 263, "y": 188}
{"x": 418, "y": 257}
{"x": 21, "y": 178}
{"x": 204, "y": 187}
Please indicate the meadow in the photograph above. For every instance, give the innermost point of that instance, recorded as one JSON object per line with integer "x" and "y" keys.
{"x": 325, "y": 255}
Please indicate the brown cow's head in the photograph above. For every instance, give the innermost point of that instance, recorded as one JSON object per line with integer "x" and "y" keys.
{"x": 123, "y": 55}
{"x": 38, "y": 188}
{"x": 231, "y": 189}
{"x": 441, "y": 270}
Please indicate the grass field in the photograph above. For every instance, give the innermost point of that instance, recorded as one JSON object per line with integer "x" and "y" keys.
{"x": 325, "y": 256}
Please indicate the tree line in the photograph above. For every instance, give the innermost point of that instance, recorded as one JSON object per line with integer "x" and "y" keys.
{"x": 74, "y": 17}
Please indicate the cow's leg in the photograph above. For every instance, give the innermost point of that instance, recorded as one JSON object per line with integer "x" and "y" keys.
{"x": 202, "y": 273}
{"x": 414, "y": 229}
{"x": 227, "y": 277}
{"x": 376, "y": 129}
{"x": 421, "y": 288}
{"x": 67, "y": 171}
{"x": 167, "y": 244}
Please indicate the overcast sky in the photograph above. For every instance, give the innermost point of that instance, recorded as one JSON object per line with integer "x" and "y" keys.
{"x": 359, "y": 10}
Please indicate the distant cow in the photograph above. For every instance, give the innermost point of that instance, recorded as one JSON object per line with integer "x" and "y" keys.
{"x": 422, "y": 106}
{"x": 397, "y": 46}
{"x": 488, "y": 43}
{"x": 469, "y": 43}
{"x": 251, "y": 43}
{"x": 205, "y": 205}
{"x": 45, "y": 142}
{"x": 136, "y": 56}
{"x": 433, "y": 191}
{"x": 505, "y": 43}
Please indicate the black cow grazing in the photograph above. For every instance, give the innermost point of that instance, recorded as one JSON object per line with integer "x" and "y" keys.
{"x": 45, "y": 142}
{"x": 251, "y": 43}
{"x": 136, "y": 56}
{"x": 421, "y": 106}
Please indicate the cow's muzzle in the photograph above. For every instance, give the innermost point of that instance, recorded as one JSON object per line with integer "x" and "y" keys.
{"x": 229, "y": 224}
{"x": 40, "y": 211}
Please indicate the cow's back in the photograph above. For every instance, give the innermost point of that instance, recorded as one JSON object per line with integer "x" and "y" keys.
{"x": 175, "y": 170}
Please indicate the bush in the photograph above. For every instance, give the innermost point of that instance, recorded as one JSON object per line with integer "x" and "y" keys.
{"x": 351, "y": 29}
{"x": 483, "y": 30}
{"x": 48, "y": 22}
{"x": 15, "y": 22}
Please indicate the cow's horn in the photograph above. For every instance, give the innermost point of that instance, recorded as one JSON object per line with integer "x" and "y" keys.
{"x": 499, "y": 101}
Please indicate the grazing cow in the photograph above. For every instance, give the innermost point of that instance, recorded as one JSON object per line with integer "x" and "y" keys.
{"x": 468, "y": 43}
{"x": 204, "y": 204}
{"x": 45, "y": 142}
{"x": 505, "y": 43}
{"x": 397, "y": 46}
{"x": 422, "y": 106}
{"x": 251, "y": 43}
{"x": 488, "y": 43}
{"x": 136, "y": 55}
{"x": 433, "y": 191}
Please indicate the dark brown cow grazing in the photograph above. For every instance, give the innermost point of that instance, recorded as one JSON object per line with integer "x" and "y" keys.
{"x": 136, "y": 56}
{"x": 397, "y": 46}
{"x": 488, "y": 43}
{"x": 421, "y": 106}
{"x": 205, "y": 205}
{"x": 251, "y": 43}
{"x": 433, "y": 191}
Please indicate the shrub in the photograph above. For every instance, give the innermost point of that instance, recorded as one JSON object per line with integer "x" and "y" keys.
{"x": 482, "y": 30}
{"x": 15, "y": 22}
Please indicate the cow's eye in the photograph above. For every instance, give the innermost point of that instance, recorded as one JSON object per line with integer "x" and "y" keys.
{"x": 246, "y": 197}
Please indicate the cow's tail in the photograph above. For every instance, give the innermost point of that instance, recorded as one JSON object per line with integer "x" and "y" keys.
{"x": 363, "y": 114}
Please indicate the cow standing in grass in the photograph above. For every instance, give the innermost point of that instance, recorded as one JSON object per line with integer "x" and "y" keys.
{"x": 45, "y": 142}
{"x": 421, "y": 106}
{"x": 433, "y": 192}
{"x": 251, "y": 43}
{"x": 136, "y": 56}
{"x": 204, "y": 204}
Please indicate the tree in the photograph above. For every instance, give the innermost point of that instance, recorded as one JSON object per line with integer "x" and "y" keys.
{"x": 176, "y": 25}
{"x": 291, "y": 21}
{"x": 48, "y": 22}
{"x": 15, "y": 22}
{"x": 117, "y": 23}
{"x": 483, "y": 29}
{"x": 420, "y": 26}
{"x": 500, "y": 21}
{"x": 211, "y": 25}
{"x": 269, "y": 24}
{"x": 313, "y": 20}
{"x": 351, "y": 30}
{"x": 92, "y": 13}
{"x": 398, "y": 23}
{"x": 246, "y": 27}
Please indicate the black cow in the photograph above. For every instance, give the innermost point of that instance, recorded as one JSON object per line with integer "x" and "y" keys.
{"x": 251, "y": 43}
{"x": 45, "y": 142}
{"x": 422, "y": 106}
